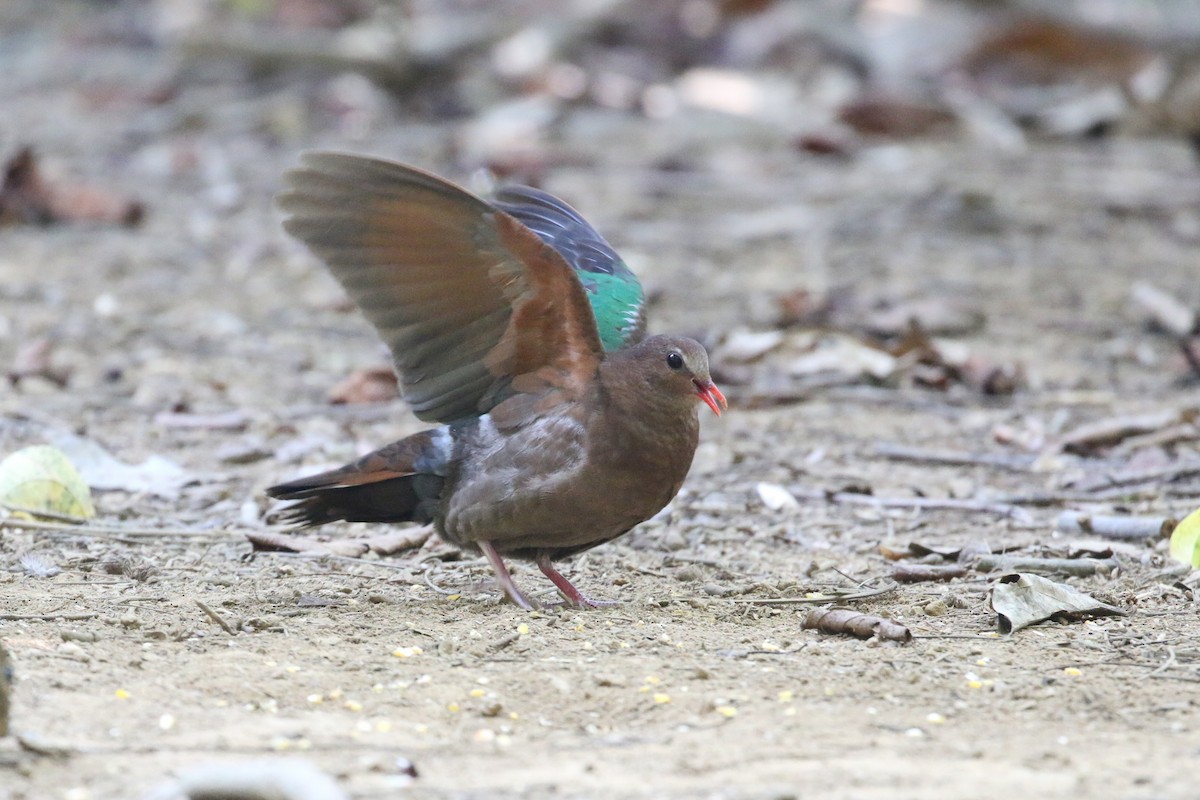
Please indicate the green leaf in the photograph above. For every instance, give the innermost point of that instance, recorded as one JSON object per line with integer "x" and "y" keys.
{"x": 1185, "y": 538}
{"x": 42, "y": 478}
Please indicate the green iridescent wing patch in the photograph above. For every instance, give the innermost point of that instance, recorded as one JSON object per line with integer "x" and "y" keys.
{"x": 616, "y": 296}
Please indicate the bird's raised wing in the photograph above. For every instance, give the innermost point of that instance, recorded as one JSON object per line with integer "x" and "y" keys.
{"x": 473, "y": 305}
{"x": 616, "y": 296}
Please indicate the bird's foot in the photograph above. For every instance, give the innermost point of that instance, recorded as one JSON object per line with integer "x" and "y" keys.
{"x": 571, "y": 595}
{"x": 505, "y": 580}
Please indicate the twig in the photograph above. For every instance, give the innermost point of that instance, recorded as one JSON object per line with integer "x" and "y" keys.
{"x": 1166, "y": 665}
{"x": 95, "y": 530}
{"x": 899, "y": 452}
{"x": 427, "y": 574}
{"x": 503, "y": 641}
{"x": 50, "y": 617}
{"x": 1054, "y": 566}
{"x": 1174, "y": 434}
{"x": 51, "y": 515}
{"x": 926, "y": 503}
{"x": 217, "y": 618}
{"x": 852, "y": 623}
{"x": 1113, "y": 527}
{"x": 394, "y": 72}
{"x": 1108, "y": 432}
{"x": 1157, "y": 475}
{"x": 1170, "y": 314}
{"x": 915, "y": 573}
{"x": 825, "y": 598}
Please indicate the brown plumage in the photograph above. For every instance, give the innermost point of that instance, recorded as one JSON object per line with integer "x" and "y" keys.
{"x": 549, "y": 445}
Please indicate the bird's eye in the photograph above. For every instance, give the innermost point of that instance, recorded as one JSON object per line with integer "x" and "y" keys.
{"x": 674, "y": 361}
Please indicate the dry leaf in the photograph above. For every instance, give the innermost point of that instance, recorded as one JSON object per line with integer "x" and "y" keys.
{"x": 27, "y": 198}
{"x": 33, "y": 360}
{"x": 370, "y": 385}
{"x": 1021, "y": 599}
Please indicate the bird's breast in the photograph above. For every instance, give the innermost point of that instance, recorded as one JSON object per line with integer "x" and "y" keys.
{"x": 562, "y": 483}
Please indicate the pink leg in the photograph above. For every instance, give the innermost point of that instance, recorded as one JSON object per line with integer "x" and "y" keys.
{"x": 503, "y": 578}
{"x": 572, "y": 595}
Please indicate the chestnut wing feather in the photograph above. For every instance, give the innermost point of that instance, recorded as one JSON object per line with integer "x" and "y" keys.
{"x": 472, "y": 304}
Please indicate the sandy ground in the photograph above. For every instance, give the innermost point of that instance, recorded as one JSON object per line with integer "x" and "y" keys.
{"x": 683, "y": 690}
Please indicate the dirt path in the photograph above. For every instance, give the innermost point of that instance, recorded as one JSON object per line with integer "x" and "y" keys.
{"x": 682, "y": 690}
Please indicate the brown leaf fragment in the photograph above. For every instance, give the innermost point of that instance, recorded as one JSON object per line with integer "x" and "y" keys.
{"x": 272, "y": 542}
{"x": 33, "y": 359}
{"x": 950, "y": 553}
{"x": 848, "y": 622}
{"x": 27, "y": 198}
{"x": 890, "y": 116}
{"x": 916, "y": 573}
{"x": 802, "y": 307}
{"x": 1021, "y": 600}
{"x": 395, "y": 541}
{"x": 991, "y": 379}
{"x": 824, "y": 144}
{"x": 935, "y": 315}
{"x": 892, "y": 553}
{"x": 370, "y": 385}
{"x": 1090, "y": 549}
{"x": 1065, "y": 77}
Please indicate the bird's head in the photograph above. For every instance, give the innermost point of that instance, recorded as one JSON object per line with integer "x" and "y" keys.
{"x": 669, "y": 367}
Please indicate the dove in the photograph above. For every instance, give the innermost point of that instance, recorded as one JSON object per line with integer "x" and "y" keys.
{"x": 518, "y": 329}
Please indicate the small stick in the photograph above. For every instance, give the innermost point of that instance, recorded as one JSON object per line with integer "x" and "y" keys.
{"x": 1183, "y": 432}
{"x": 899, "y": 452}
{"x": 1059, "y": 566}
{"x": 1170, "y": 314}
{"x": 504, "y": 641}
{"x": 852, "y": 623}
{"x": 1109, "y": 432}
{"x": 1114, "y": 527}
{"x": 51, "y": 515}
{"x": 217, "y": 618}
{"x": 1127, "y": 477}
{"x": 915, "y": 573}
{"x": 933, "y": 503}
{"x": 93, "y": 530}
{"x": 49, "y": 617}
{"x": 825, "y": 598}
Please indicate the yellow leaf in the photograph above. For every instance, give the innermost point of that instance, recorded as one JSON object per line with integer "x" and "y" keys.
{"x": 1184, "y": 539}
{"x": 42, "y": 478}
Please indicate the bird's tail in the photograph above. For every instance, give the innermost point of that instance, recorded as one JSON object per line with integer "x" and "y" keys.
{"x": 398, "y": 483}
